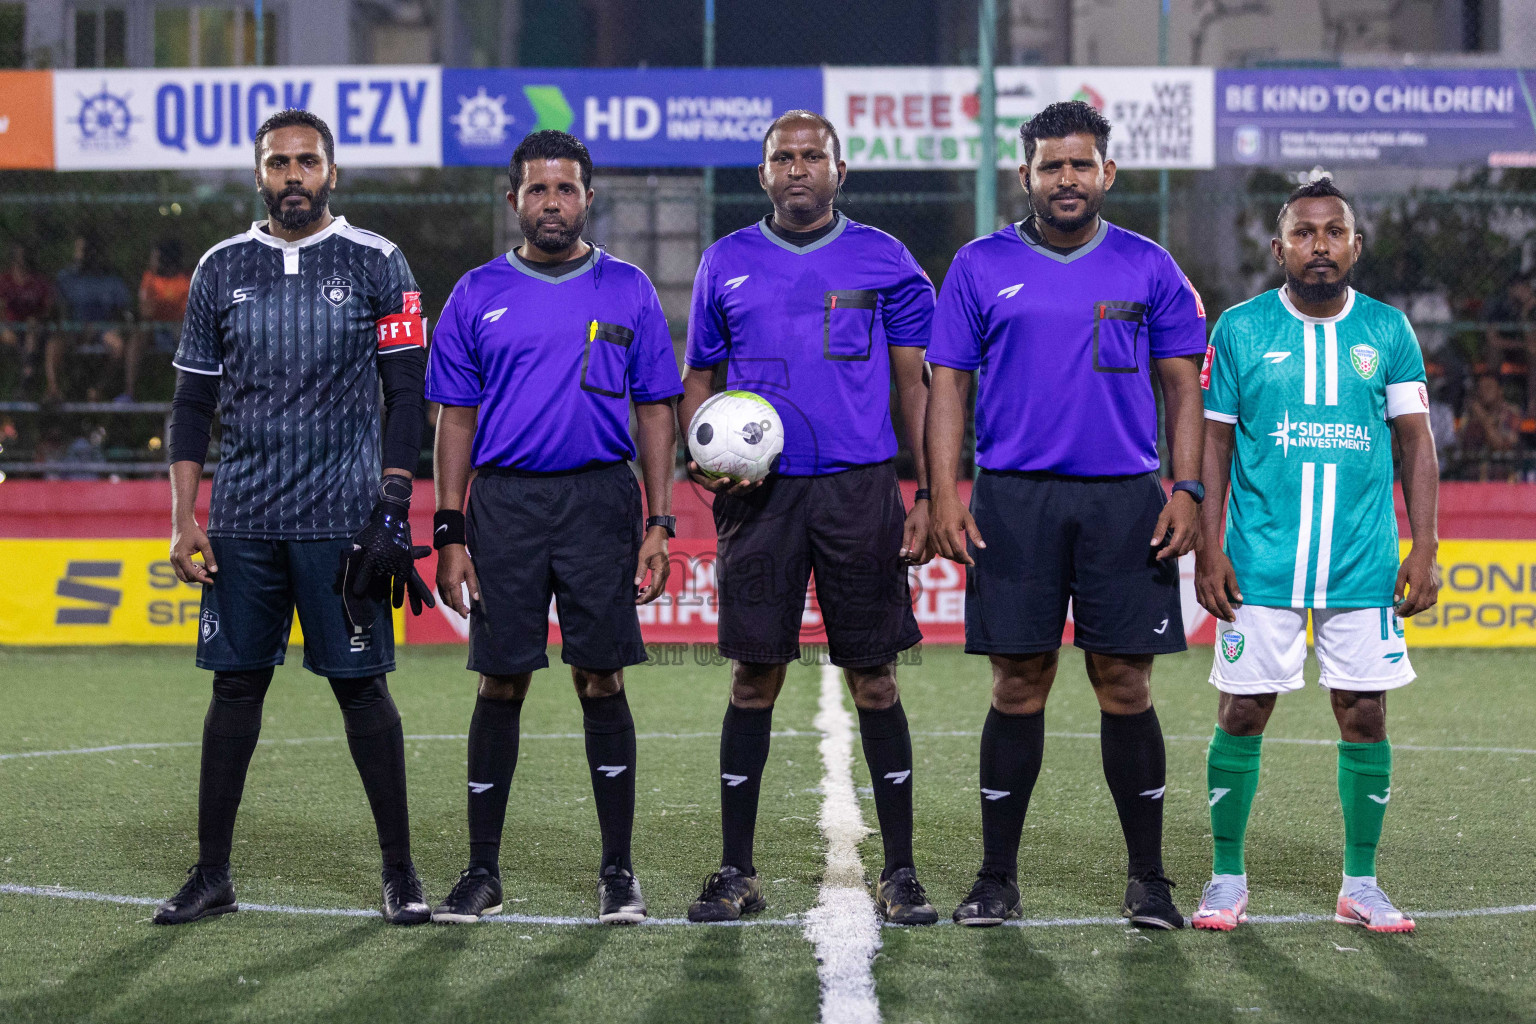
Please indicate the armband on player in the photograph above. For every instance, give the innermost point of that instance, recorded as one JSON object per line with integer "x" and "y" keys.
{"x": 405, "y": 329}
{"x": 1407, "y": 398}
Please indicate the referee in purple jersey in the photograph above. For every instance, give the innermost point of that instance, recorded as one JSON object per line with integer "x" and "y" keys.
{"x": 1065, "y": 316}
{"x": 536, "y": 359}
{"x": 823, "y": 317}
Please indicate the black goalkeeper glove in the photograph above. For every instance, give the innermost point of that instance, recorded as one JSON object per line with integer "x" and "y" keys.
{"x": 382, "y": 562}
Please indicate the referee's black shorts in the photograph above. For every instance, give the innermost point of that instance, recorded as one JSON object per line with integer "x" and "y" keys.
{"x": 1050, "y": 538}
{"x": 573, "y": 535}
{"x": 847, "y": 527}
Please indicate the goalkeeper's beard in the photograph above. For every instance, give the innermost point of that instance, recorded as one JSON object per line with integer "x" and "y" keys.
{"x": 294, "y": 219}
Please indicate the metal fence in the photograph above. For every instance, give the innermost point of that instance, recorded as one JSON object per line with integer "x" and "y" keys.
{"x": 1456, "y": 251}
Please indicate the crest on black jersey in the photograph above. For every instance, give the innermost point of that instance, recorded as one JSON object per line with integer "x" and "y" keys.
{"x": 336, "y": 290}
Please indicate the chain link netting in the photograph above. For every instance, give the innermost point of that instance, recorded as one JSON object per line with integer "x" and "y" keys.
{"x": 1455, "y": 250}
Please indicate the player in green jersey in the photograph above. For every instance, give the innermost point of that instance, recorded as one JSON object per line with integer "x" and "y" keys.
{"x": 1302, "y": 385}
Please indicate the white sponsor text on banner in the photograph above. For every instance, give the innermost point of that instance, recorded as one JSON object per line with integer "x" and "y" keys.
{"x": 929, "y": 117}
{"x": 207, "y": 117}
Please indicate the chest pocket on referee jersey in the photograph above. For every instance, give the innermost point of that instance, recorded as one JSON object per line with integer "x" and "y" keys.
{"x": 605, "y": 367}
{"x": 848, "y": 325}
{"x": 1117, "y": 330}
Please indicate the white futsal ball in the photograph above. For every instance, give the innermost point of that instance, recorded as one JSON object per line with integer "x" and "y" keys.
{"x": 736, "y": 434}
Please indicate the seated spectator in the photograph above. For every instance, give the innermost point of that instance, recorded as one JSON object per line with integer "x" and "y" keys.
{"x": 1442, "y": 419}
{"x": 26, "y": 303}
{"x": 49, "y": 447}
{"x": 162, "y": 305}
{"x": 1492, "y": 425}
{"x": 1515, "y": 342}
{"x": 88, "y": 448}
{"x": 97, "y": 303}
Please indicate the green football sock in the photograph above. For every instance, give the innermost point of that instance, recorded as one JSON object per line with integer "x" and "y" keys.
{"x": 1232, "y": 777}
{"x": 1365, "y": 786}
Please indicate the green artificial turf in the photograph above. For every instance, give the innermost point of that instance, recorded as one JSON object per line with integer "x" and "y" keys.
{"x": 124, "y": 822}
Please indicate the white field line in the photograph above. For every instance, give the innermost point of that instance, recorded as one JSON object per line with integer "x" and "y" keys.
{"x": 1422, "y": 748}
{"x": 298, "y": 741}
{"x": 843, "y": 927}
{"x": 278, "y": 908}
{"x": 114, "y": 748}
{"x": 59, "y": 893}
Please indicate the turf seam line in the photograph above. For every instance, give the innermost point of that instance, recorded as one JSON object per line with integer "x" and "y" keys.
{"x": 843, "y": 927}
{"x": 57, "y": 892}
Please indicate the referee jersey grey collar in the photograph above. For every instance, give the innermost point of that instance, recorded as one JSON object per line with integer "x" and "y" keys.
{"x": 517, "y": 265}
{"x": 336, "y": 226}
{"x": 801, "y": 250}
{"x": 1076, "y": 254}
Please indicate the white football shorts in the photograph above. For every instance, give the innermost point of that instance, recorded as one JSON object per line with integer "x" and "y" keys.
{"x": 1262, "y": 651}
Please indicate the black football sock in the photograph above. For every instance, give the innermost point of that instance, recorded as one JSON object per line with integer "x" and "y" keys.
{"x": 377, "y": 742}
{"x": 1012, "y": 747}
{"x": 1136, "y": 770}
{"x": 493, "y": 734}
{"x": 230, "y": 731}
{"x": 611, "y": 758}
{"x": 888, "y": 752}
{"x": 744, "y": 742}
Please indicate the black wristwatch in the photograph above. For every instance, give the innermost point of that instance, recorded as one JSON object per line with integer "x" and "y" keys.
{"x": 668, "y": 523}
{"x": 1194, "y": 488}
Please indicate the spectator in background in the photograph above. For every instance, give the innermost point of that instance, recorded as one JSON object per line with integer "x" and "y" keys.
{"x": 1442, "y": 418}
{"x": 1516, "y": 309}
{"x": 50, "y": 447}
{"x": 86, "y": 449}
{"x": 98, "y": 304}
{"x": 26, "y": 302}
{"x": 1492, "y": 425}
{"x": 162, "y": 304}
{"x": 1431, "y": 313}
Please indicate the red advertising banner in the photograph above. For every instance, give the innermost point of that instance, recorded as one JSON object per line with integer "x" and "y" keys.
{"x": 687, "y": 611}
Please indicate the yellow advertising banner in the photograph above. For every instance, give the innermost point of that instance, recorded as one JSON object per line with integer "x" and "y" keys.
{"x": 91, "y": 592}
{"x": 1487, "y": 596}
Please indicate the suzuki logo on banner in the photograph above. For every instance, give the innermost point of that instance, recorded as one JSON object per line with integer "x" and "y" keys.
{"x": 100, "y": 600}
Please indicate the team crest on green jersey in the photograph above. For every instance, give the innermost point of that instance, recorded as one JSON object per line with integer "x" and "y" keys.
{"x": 1365, "y": 360}
{"x": 1232, "y": 645}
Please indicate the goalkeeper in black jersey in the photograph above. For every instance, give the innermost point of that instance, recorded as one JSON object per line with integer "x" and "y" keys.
{"x": 290, "y": 328}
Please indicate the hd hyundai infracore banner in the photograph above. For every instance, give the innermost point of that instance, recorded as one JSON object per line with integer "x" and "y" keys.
{"x": 669, "y": 117}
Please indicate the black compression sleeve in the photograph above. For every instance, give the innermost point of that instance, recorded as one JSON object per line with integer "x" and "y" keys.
{"x": 405, "y": 406}
{"x": 192, "y": 411}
